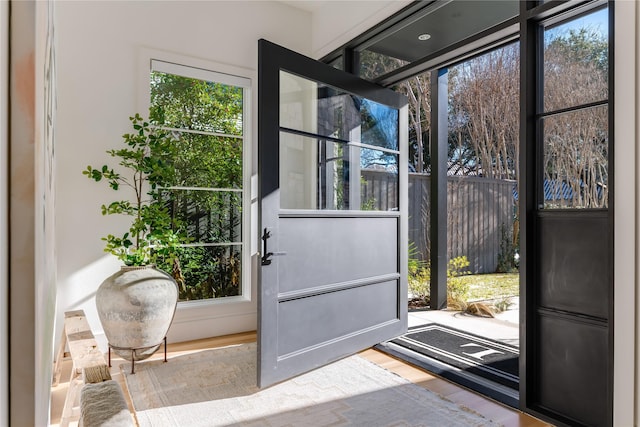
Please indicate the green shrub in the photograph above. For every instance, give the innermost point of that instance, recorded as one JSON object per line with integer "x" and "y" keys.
{"x": 419, "y": 284}
{"x": 503, "y": 304}
{"x": 457, "y": 289}
{"x": 419, "y": 275}
{"x": 419, "y": 279}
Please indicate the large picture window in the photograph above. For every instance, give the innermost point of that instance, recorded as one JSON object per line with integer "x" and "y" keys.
{"x": 206, "y": 112}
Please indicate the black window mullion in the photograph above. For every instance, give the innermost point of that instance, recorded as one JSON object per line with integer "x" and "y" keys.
{"x": 579, "y": 107}
{"x": 351, "y": 61}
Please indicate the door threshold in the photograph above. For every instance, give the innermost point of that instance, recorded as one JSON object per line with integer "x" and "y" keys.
{"x": 495, "y": 391}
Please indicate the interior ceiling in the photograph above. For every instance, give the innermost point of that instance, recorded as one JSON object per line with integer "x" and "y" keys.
{"x": 447, "y": 22}
{"x": 308, "y": 5}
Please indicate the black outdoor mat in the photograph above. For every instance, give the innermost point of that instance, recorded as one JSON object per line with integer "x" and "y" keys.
{"x": 493, "y": 360}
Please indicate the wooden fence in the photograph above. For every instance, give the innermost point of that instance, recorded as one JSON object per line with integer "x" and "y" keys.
{"x": 480, "y": 214}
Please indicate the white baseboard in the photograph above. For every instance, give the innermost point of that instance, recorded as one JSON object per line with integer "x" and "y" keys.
{"x": 194, "y": 329}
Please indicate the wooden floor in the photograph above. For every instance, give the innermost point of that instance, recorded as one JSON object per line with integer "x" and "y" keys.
{"x": 480, "y": 404}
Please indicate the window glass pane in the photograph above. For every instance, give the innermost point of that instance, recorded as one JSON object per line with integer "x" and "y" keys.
{"x": 576, "y": 159}
{"x": 207, "y": 161}
{"x": 326, "y": 111}
{"x": 210, "y": 272}
{"x": 204, "y": 192}
{"x": 374, "y": 64}
{"x": 379, "y": 189}
{"x": 338, "y": 63}
{"x": 418, "y": 92}
{"x": 187, "y": 103}
{"x": 576, "y": 62}
{"x": 317, "y": 174}
{"x": 206, "y": 216}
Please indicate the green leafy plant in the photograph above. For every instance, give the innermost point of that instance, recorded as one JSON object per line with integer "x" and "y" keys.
{"x": 503, "y": 304}
{"x": 457, "y": 289}
{"x": 152, "y": 236}
{"x": 419, "y": 277}
{"x": 200, "y": 278}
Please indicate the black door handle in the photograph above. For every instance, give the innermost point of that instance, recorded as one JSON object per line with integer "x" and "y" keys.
{"x": 265, "y": 253}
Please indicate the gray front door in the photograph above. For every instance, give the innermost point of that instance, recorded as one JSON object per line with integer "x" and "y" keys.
{"x": 333, "y": 214}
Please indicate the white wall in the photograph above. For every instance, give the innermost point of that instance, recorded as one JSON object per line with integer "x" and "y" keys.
{"x": 31, "y": 253}
{"x": 99, "y": 84}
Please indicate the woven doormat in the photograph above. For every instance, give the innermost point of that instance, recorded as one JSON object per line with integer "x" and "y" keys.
{"x": 490, "y": 359}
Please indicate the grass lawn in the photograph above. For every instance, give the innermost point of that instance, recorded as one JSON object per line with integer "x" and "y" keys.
{"x": 492, "y": 286}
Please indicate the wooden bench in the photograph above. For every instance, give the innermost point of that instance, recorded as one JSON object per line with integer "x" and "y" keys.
{"x": 89, "y": 365}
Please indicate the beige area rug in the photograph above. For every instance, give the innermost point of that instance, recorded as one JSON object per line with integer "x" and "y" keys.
{"x": 217, "y": 387}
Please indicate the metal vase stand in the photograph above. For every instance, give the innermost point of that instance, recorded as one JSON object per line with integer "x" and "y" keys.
{"x": 133, "y": 353}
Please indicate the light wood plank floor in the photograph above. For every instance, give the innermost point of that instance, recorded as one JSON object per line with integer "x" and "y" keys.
{"x": 487, "y": 407}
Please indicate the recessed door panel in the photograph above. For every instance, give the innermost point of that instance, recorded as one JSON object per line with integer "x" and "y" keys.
{"x": 345, "y": 316}
{"x": 574, "y": 262}
{"x": 572, "y": 348}
{"x": 325, "y": 251}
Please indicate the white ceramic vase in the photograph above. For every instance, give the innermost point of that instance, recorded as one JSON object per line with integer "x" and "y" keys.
{"x": 136, "y": 306}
